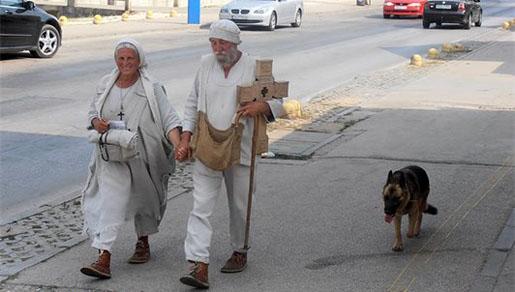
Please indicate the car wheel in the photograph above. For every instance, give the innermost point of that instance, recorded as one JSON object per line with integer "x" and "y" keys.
{"x": 468, "y": 22}
{"x": 48, "y": 42}
{"x": 273, "y": 22}
{"x": 425, "y": 24}
{"x": 386, "y": 15}
{"x": 479, "y": 19}
{"x": 298, "y": 19}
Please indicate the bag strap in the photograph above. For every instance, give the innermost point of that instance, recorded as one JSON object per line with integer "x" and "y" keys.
{"x": 237, "y": 119}
{"x": 101, "y": 145}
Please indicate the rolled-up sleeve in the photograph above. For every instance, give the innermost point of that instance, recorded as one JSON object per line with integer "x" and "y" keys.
{"x": 277, "y": 109}
{"x": 93, "y": 111}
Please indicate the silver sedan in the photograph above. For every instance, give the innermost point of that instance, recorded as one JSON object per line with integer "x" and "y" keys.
{"x": 265, "y": 13}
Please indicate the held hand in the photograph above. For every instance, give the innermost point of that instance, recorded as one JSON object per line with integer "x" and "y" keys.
{"x": 100, "y": 125}
{"x": 183, "y": 151}
{"x": 254, "y": 108}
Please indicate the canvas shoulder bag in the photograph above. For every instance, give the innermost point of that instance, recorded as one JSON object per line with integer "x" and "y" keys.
{"x": 217, "y": 149}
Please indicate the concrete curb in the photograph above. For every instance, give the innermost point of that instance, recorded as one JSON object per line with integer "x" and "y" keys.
{"x": 496, "y": 259}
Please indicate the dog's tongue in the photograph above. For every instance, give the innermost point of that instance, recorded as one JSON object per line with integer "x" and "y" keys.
{"x": 388, "y": 218}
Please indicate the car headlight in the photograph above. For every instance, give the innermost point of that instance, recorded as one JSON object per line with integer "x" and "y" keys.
{"x": 388, "y": 4}
{"x": 261, "y": 11}
{"x": 414, "y": 5}
{"x": 224, "y": 10}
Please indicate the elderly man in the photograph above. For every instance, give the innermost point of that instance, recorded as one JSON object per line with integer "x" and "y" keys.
{"x": 213, "y": 97}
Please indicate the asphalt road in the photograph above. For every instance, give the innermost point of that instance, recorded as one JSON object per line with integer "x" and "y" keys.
{"x": 43, "y": 103}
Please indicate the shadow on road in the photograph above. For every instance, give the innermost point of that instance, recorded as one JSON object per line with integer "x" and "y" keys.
{"x": 14, "y": 56}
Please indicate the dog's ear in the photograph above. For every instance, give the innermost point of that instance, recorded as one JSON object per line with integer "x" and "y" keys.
{"x": 390, "y": 177}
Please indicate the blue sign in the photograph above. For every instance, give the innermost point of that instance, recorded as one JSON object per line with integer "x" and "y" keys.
{"x": 193, "y": 11}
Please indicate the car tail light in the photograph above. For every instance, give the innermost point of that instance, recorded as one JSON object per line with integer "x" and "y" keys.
{"x": 461, "y": 7}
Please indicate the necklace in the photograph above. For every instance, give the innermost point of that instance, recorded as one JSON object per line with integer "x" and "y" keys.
{"x": 130, "y": 84}
{"x": 122, "y": 98}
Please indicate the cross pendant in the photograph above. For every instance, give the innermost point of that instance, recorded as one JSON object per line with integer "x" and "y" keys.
{"x": 121, "y": 114}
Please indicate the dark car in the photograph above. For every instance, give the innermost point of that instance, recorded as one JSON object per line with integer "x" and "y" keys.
{"x": 24, "y": 26}
{"x": 465, "y": 12}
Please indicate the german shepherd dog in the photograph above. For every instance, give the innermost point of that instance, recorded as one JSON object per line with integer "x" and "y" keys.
{"x": 405, "y": 192}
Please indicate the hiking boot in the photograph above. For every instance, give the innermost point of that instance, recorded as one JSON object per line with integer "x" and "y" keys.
{"x": 197, "y": 275}
{"x": 236, "y": 263}
{"x": 141, "y": 253}
{"x": 101, "y": 268}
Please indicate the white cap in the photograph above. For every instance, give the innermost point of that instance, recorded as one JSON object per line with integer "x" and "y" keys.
{"x": 226, "y": 30}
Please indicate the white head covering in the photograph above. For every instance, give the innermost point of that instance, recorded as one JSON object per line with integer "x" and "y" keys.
{"x": 148, "y": 82}
{"x": 133, "y": 44}
{"x": 226, "y": 30}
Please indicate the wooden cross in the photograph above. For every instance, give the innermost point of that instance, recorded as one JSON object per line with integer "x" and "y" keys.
{"x": 265, "y": 87}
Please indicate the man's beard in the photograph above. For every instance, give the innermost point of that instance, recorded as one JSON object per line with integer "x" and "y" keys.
{"x": 227, "y": 58}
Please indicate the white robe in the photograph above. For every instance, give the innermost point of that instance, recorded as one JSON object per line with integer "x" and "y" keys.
{"x": 117, "y": 191}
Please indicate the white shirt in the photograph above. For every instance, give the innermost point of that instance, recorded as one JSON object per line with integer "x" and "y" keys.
{"x": 215, "y": 95}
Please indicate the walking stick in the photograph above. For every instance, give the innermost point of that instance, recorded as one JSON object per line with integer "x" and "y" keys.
{"x": 251, "y": 183}
{"x": 263, "y": 89}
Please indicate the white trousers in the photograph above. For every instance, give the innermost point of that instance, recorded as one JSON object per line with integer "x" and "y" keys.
{"x": 207, "y": 185}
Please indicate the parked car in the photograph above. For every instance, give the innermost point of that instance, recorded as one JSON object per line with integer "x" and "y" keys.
{"x": 264, "y": 13}
{"x": 403, "y": 8}
{"x": 25, "y": 26}
{"x": 465, "y": 12}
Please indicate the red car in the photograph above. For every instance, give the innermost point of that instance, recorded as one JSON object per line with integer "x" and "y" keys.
{"x": 403, "y": 7}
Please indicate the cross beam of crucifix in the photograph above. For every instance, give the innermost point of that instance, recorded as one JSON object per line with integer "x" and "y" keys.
{"x": 265, "y": 87}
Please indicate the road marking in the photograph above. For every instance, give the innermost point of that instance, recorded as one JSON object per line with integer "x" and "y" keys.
{"x": 484, "y": 189}
{"x": 506, "y": 170}
{"x": 410, "y": 283}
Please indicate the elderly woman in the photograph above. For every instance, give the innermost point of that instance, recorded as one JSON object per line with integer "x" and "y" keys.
{"x": 132, "y": 124}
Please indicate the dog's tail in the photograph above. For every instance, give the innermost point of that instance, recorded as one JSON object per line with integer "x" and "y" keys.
{"x": 430, "y": 209}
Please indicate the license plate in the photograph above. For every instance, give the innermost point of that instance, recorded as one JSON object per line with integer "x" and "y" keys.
{"x": 239, "y": 17}
{"x": 440, "y": 6}
{"x": 397, "y": 7}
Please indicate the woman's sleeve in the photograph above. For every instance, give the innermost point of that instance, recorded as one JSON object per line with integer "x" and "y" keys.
{"x": 93, "y": 111}
{"x": 169, "y": 116}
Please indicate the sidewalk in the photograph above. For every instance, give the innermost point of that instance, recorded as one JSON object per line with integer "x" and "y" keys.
{"x": 76, "y": 27}
{"x": 327, "y": 207}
